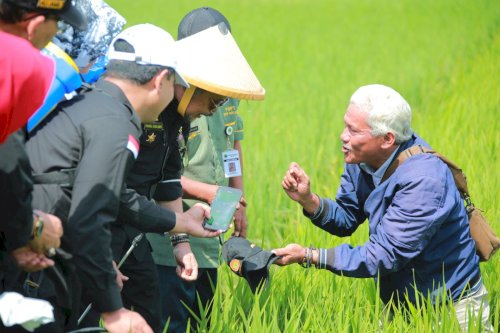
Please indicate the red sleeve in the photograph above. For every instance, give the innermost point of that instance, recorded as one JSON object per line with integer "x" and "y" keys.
{"x": 25, "y": 80}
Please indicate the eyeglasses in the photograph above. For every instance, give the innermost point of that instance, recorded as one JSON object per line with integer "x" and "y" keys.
{"x": 217, "y": 103}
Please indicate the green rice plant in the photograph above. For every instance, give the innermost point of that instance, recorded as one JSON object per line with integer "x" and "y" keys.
{"x": 442, "y": 56}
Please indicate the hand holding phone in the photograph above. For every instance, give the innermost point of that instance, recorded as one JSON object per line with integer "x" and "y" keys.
{"x": 223, "y": 208}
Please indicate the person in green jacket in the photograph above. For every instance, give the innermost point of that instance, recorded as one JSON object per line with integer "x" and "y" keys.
{"x": 204, "y": 171}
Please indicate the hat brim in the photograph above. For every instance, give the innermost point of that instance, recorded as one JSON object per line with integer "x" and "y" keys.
{"x": 180, "y": 80}
{"x": 74, "y": 17}
{"x": 212, "y": 60}
{"x": 260, "y": 277}
{"x": 255, "y": 262}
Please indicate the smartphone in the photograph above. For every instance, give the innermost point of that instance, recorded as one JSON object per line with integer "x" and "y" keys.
{"x": 223, "y": 208}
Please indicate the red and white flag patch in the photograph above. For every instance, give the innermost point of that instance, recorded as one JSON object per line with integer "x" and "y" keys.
{"x": 133, "y": 145}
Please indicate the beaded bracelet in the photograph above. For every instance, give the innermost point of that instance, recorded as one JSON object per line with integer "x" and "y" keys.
{"x": 179, "y": 238}
{"x": 307, "y": 260}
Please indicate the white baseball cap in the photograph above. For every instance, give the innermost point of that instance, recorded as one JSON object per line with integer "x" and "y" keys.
{"x": 152, "y": 46}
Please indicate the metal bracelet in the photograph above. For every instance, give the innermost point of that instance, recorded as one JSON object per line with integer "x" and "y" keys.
{"x": 307, "y": 261}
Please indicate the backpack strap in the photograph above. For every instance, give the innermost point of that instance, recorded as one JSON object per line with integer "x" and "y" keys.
{"x": 458, "y": 175}
{"x": 485, "y": 239}
{"x": 403, "y": 156}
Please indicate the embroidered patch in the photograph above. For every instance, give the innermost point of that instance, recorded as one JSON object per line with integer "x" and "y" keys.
{"x": 151, "y": 138}
{"x": 235, "y": 266}
{"x": 51, "y": 4}
{"x": 193, "y": 135}
{"x": 153, "y": 126}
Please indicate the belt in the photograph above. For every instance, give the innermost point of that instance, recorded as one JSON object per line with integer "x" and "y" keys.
{"x": 472, "y": 286}
{"x": 64, "y": 177}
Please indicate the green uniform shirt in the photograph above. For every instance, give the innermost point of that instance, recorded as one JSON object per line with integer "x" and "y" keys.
{"x": 208, "y": 139}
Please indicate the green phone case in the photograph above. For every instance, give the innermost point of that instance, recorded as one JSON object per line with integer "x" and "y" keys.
{"x": 223, "y": 208}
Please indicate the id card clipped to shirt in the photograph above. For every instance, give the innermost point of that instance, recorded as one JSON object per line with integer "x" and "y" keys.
{"x": 231, "y": 160}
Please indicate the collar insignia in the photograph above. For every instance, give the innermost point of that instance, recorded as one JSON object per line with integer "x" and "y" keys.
{"x": 151, "y": 138}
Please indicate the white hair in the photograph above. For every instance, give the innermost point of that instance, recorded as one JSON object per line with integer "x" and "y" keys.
{"x": 387, "y": 111}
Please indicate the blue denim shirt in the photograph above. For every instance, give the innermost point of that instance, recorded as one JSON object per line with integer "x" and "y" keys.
{"x": 418, "y": 229}
{"x": 378, "y": 174}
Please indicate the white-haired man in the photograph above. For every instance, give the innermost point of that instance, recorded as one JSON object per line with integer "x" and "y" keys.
{"x": 419, "y": 230}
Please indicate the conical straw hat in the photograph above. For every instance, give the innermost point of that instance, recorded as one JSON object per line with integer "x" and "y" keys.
{"x": 211, "y": 60}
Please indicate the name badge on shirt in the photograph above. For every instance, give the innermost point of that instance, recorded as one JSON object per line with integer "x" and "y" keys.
{"x": 231, "y": 159}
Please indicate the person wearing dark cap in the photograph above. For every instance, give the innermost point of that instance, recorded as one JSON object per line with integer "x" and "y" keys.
{"x": 208, "y": 139}
{"x": 36, "y": 20}
{"x": 25, "y": 78}
{"x": 25, "y": 72}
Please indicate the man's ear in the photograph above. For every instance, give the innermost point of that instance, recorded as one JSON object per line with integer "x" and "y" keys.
{"x": 158, "y": 79}
{"x": 33, "y": 24}
{"x": 389, "y": 140}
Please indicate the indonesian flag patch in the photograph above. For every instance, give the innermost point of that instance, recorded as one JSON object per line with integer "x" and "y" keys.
{"x": 133, "y": 145}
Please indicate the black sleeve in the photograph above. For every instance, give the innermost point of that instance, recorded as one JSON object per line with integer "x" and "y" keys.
{"x": 136, "y": 210}
{"x": 94, "y": 206}
{"x": 15, "y": 192}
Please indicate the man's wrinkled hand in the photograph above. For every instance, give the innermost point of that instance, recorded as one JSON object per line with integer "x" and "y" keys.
{"x": 296, "y": 183}
{"x": 290, "y": 254}
{"x": 187, "y": 266}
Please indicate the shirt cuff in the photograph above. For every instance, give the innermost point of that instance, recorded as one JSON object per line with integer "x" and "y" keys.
{"x": 325, "y": 259}
{"x": 318, "y": 212}
{"x": 168, "y": 190}
{"x": 107, "y": 300}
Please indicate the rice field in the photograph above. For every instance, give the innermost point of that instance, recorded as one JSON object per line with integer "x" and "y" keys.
{"x": 442, "y": 56}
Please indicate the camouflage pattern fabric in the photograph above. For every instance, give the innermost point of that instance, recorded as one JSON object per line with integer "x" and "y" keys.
{"x": 104, "y": 23}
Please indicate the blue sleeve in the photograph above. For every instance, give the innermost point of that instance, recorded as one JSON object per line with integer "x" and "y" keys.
{"x": 416, "y": 212}
{"x": 342, "y": 216}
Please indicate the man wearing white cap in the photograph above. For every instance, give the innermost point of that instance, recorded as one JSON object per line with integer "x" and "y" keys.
{"x": 216, "y": 70}
{"x": 156, "y": 174}
{"x": 81, "y": 156}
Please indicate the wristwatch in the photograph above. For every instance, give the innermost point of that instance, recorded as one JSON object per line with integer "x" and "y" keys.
{"x": 37, "y": 226}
